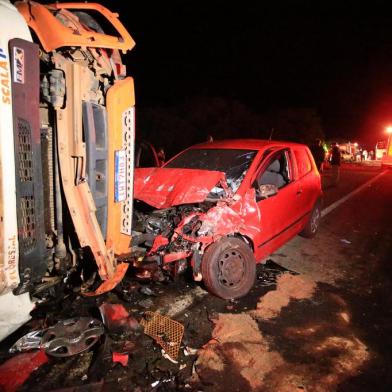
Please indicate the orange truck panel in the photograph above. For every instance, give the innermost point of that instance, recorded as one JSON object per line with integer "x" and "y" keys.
{"x": 120, "y": 99}
{"x": 53, "y": 34}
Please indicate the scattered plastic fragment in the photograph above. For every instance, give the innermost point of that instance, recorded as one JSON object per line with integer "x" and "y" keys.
{"x": 116, "y": 317}
{"x": 167, "y": 356}
{"x": 345, "y": 241}
{"x": 165, "y": 331}
{"x": 72, "y": 336}
{"x": 120, "y": 358}
{"x": 147, "y": 291}
{"x": 30, "y": 341}
{"x": 190, "y": 351}
{"x": 15, "y": 371}
{"x": 155, "y": 383}
{"x": 183, "y": 366}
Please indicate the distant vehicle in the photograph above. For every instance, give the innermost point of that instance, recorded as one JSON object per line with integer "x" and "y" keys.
{"x": 381, "y": 149}
{"x": 221, "y": 207}
{"x": 347, "y": 156}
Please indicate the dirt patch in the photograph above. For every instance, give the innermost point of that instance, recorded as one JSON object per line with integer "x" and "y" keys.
{"x": 288, "y": 287}
{"x": 343, "y": 357}
{"x": 238, "y": 345}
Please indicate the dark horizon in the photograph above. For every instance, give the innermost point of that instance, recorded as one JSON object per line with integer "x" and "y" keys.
{"x": 334, "y": 58}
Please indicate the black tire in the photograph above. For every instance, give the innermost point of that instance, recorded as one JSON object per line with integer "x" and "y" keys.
{"x": 313, "y": 224}
{"x": 228, "y": 268}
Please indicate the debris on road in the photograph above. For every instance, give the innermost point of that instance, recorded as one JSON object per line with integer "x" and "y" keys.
{"x": 15, "y": 371}
{"x": 166, "y": 332}
{"x": 147, "y": 291}
{"x": 72, "y": 336}
{"x": 146, "y": 303}
{"x": 167, "y": 356}
{"x": 110, "y": 284}
{"x": 121, "y": 358}
{"x": 269, "y": 272}
{"x": 190, "y": 351}
{"x": 28, "y": 342}
{"x": 116, "y": 318}
{"x": 288, "y": 287}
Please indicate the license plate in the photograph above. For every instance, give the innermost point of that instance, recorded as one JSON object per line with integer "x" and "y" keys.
{"x": 120, "y": 176}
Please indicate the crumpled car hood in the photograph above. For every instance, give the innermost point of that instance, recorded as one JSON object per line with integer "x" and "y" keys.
{"x": 167, "y": 187}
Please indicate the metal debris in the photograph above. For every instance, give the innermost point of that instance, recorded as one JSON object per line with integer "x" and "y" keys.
{"x": 72, "y": 336}
{"x": 30, "y": 341}
{"x": 165, "y": 331}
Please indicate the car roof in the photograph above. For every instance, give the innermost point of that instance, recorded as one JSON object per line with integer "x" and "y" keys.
{"x": 245, "y": 144}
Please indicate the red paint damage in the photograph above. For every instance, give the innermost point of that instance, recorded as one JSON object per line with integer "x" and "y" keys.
{"x": 167, "y": 187}
{"x": 227, "y": 217}
{"x": 15, "y": 371}
{"x": 199, "y": 226}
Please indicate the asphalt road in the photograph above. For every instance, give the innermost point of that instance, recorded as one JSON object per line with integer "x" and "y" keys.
{"x": 328, "y": 331}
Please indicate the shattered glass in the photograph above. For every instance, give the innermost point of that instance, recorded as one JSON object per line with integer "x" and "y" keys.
{"x": 234, "y": 163}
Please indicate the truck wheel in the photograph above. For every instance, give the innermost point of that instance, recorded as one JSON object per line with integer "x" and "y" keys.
{"x": 313, "y": 223}
{"x": 228, "y": 268}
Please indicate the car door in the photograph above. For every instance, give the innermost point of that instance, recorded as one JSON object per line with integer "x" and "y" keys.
{"x": 279, "y": 212}
{"x": 306, "y": 181}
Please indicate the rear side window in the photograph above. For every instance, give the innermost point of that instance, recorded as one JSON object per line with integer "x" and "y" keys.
{"x": 303, "y": 161}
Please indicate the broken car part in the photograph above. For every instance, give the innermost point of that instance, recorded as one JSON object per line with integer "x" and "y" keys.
{"x": 72, "y": 336}
{"x": 16, "y": 370}
{"x": 166, "y": 332}
{"x": 30, "y": 341}
{"x": 116, "y": 317}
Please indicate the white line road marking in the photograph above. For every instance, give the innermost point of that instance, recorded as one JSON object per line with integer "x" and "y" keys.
{"x": 182, "y": 302}
{"x": 331, "y": 207}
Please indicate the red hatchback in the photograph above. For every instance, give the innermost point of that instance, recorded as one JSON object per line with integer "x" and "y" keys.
{"x": 222, "y": 207}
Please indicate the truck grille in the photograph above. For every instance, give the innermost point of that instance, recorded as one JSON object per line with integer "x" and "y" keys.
{"x": 27, "y": 228}
{"x": 25, "y": 151}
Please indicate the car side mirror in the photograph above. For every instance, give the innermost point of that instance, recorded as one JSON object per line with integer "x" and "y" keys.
{"x": 265, "y": 191}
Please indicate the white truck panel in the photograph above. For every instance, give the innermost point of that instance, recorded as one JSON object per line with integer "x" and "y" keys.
{"x": 14, "y": 310}
{"x": 12, "y": 25}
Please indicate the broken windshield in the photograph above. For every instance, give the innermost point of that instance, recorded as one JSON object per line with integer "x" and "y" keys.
{"x": 234, "y": 163}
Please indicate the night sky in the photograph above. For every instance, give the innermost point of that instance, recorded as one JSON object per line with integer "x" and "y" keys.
{"x": 332, "y": 57}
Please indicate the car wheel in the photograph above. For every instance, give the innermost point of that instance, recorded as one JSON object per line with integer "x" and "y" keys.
{"x": 312, "y": 226}
{"x": 228, "y": 268}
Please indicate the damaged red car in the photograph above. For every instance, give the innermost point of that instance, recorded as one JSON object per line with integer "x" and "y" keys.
{"x": 224, "y": 206}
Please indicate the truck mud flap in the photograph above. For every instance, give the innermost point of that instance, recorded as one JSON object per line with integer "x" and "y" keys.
{"x": 28, "y": 171}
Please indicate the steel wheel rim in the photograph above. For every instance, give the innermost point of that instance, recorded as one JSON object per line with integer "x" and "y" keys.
{"x": 231, "y": 268}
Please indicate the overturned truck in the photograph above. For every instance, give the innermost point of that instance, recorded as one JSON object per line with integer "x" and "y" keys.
{"x": 66, "y": 148}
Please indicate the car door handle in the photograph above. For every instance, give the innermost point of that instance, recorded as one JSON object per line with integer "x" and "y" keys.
{"x": 299, "y": 191}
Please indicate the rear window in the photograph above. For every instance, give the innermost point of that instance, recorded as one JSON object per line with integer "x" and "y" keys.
{"x": 304, "y": 164}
